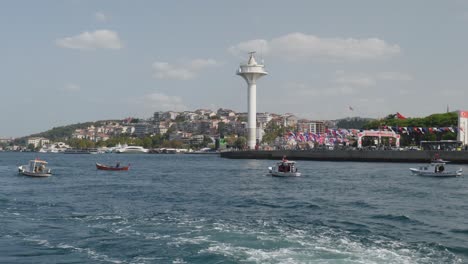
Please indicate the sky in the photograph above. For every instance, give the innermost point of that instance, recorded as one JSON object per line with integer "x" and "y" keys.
{"x": 66, "y": 62}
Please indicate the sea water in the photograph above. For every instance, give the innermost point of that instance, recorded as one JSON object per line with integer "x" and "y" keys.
{"x": 205, "y": 209}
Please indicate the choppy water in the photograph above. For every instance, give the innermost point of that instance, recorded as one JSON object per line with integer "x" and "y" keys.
{"x": 204, "y": 209}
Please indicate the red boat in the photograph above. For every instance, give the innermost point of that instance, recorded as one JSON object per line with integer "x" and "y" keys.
{"x": 112, "y": 168}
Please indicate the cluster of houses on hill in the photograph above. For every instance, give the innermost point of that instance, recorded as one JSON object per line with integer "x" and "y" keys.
{"x": 187, "y": 126}
{"x": 192, "y": 126}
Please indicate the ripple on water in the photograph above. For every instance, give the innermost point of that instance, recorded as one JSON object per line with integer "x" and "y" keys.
{"x": 203, "y": 209}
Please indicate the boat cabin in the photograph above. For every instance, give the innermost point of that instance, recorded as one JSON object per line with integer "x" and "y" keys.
{"x": 37, "y": 166}
{"x": 287, "y": 166}
{"x": 435, "y": 166}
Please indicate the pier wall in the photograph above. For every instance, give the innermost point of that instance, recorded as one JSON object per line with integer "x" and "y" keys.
{"x": 460, "y": 157}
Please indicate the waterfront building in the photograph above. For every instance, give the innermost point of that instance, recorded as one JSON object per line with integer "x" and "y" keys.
{"x": 203, "y": 111}
{"x": 316, "y": 127}
{"x": 157, "y": 116}
{"x": 143, "y": 129}
{"x": 6, "y": 140}
{"x": 38, "y": 141}
{"x": 169, "y": 115}
{"x": 263, "y": 118}
{"x": 225, "y": 112}
{"x": 289, "y": 120}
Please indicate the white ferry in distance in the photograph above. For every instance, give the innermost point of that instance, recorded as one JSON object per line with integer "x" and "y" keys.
{"x": 131, "y": 149}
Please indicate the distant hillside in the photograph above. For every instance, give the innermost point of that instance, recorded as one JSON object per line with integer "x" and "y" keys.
{"x": 352, "y": 122}
{"x": 65, "y": 132}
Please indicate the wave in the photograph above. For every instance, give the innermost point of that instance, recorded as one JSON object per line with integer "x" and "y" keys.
{"x": 88, "y": 252}
{"x": 253, "y": 240}
{"x": 277, "y": 241}
{"x": 459, "y": 231}
{"x": 362, "y": 204}
{"x": 397, "y": 218}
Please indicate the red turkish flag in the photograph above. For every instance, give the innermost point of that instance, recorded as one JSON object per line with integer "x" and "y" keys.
{"x": 400, "y": 116}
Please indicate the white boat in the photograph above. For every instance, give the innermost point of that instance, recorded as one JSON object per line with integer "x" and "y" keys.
{"x": 35, "y": 168}
{"x": 131, "y": 149}
{"x": 436, "y": 169}
{"x": 284, "y": 168}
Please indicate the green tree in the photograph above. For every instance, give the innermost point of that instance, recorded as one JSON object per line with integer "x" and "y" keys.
{"x": 240, "y": 143}
{"x": 221, "y": 129}
{"x": 147, "y": 142}
{"x": 242, "y": 119}
{"x": 31, "y": 147}
{"x": 272, "y": 131}
{"x": 179, "y": 119}
{"x": 434, "y": 120}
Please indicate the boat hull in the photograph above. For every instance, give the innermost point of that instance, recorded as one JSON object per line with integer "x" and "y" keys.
{"x": 436, "y": 174}
{"x": 276, "y": 173}
{"x": 110, "y": 168}
{"x": 23, "y": 171}
{"x": 285, "y": 174}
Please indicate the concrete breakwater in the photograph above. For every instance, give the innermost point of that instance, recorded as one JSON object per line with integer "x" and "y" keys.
{"x": 459, "y": 157}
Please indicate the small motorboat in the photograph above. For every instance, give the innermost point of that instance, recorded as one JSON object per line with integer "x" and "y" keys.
{"x": 35, "y": 168}
{"x": 436, "y": 169}
{"x": 117, "y": 167}
{"x": 284, "y": 168}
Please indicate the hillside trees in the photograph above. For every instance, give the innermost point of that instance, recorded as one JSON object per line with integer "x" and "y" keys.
{"x": 414, "y": 137}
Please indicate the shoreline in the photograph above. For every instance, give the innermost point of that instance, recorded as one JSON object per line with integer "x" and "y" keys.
{"x": 455, "y": 157}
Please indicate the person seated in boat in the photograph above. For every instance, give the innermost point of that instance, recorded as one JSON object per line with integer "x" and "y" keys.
{"x": 284, "y": 159}
{"x": 117, "y": 165}
{"x": 281, "y": 168}
{"x": 41, "y": 168}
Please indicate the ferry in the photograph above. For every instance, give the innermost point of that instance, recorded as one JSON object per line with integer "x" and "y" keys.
{"x": 132, "y": 150}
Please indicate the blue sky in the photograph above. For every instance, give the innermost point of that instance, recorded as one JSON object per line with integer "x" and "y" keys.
{"x": 65, "y": 62}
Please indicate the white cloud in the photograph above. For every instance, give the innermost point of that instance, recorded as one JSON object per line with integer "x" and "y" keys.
{"x": 70, "y": 87}
{"x": 99, "y": 39}
{"x": 296, "y": 46}
{"x": 182, "y": 71}
{"x": 164, "y": 102}
{"x": 101, "y": 17}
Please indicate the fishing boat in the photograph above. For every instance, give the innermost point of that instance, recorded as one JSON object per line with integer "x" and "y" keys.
{"x": 35, "y": 168}
{"x": 436, "y": 169}
{"x": 117, "y": 167}
{"x": 284, "y": 168}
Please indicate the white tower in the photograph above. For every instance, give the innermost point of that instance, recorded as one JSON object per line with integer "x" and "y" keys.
{"x": 251, "y": 72}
